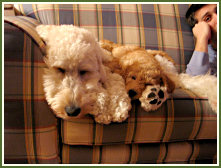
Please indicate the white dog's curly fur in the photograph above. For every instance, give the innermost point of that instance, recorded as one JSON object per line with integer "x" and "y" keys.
{"x": 202, "y": 85}
{"x": 76, "y": 82}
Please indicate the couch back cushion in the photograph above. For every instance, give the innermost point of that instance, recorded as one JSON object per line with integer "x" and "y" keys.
{"x": 152, "y": 26}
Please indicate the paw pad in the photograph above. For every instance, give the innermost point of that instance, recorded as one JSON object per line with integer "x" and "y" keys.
{"x": 161, "y": 94}
{"x": 154, "y": 101}
{"x": 153, "y": 97}
{"x": 153, "y": 94}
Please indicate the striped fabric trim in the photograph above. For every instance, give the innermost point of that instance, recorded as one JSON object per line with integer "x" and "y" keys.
{"x": 159, "y": 27}
{"x": 180, "y": 37}
{"x": 169, "y": 124}
{"x": 35, "y": 9}
{"x": 56, "y": 13}
{"x": 119, "y": 24}
{"x": 99, "y": 22}
{"x": 76, "y": 15}
{"x": 28, "y": 25}
{"x": 28, "y": 103}
{"x": 131, "y": 127}
{"x": 141, "y": 26}
{"x": 173, "y": 153}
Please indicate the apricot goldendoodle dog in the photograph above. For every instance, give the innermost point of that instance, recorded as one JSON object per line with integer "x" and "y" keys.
{"x": 76, "y": 82}
{"x": 150, "y": 75}
{"x": 145, "y": 79}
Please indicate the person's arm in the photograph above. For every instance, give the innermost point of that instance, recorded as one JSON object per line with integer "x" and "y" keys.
{"x": 199, "y": 63}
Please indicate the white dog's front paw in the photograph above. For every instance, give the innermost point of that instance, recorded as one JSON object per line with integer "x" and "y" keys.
{"x": 103, "y": 118}
{"x": 119, "y": 104}
{"x": 121, "y": 112}
{"x": 153, "y": 97}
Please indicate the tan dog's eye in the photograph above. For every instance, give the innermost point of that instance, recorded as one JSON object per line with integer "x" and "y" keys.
{"x": 148, "y": 84}
{"x": 161, "y": 82}
{"x": 61, "y": 70}
{"x": 133, "y": 77}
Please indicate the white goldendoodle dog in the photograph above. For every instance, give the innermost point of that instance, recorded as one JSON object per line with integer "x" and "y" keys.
{"x": 76, "y": 82}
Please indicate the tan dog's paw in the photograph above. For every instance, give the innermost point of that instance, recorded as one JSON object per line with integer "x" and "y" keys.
{"x": 153, "y": 97}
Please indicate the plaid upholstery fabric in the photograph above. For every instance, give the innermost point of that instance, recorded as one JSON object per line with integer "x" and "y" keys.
{"x": 30, "y": 128}
{"x": 27, "y": 25}
{"x": 158, "y": 26}
{"x": 181, "y": 118}
{"x": 184, "y": 123}
{"x": 193, "y": 152}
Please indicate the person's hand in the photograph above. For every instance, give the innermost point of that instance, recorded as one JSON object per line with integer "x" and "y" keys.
{"x": 202, "y": 33}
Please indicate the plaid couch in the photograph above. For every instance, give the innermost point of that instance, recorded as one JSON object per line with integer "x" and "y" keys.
{"x": 183, "y": 130}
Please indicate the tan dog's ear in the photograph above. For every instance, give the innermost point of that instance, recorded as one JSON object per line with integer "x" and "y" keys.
{"x": 114, "y": 66}
{"x": 107, "y": 45}
{"x": 168, "y": 83}
{"x": 43, "y": 31}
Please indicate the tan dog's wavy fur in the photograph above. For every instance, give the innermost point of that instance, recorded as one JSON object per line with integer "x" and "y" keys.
{"x": 134, "y": 62}
{"x": 152, "y": 75}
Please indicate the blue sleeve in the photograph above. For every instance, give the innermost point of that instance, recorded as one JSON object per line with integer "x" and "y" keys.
{"x": 199, "y": 64}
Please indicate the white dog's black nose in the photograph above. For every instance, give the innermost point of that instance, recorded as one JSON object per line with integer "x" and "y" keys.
{"x": 72, "y": 111}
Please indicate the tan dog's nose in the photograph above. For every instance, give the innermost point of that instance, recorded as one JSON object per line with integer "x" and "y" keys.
{"x": 72, "y": 110}
{"x": 132, "y": 93}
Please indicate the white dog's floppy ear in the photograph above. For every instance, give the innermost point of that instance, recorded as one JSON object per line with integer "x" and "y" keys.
{"x": 102, "y": 71}
{"x": 43, "y": 31}
{"x": 100, "y": 54}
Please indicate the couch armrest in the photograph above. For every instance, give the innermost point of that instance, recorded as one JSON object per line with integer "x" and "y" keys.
{"x": 28, "y": 25}
{"x": 30, "y": 128}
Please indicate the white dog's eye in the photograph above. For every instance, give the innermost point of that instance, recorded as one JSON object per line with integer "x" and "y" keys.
{"x": 83, "y": 72}
{"x": 61, "y": 70}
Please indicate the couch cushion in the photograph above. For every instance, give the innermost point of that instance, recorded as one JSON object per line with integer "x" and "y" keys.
{"x": 30, "y": 128}
{"x": 173, "y": 153}
{"x": 153, "y": 26}
{"x": 182, "y": 117}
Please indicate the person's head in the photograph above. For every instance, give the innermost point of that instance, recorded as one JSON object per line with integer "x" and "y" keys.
{"x": 203, "y": 13}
